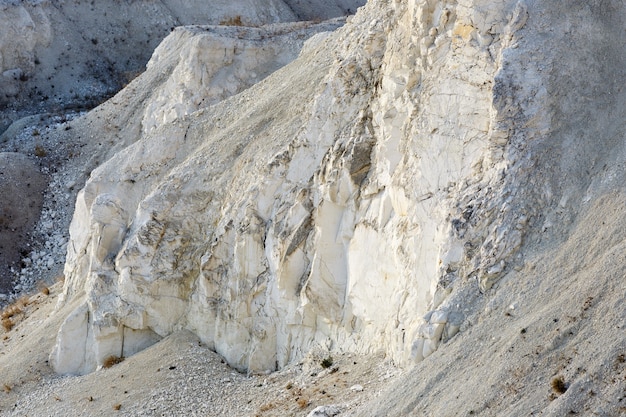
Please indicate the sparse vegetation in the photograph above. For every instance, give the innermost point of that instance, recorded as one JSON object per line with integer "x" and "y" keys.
{"x": 558, "y": 385}
{"x": 7, "y": 324}
{"x": 302, "y": 402}
{"x": 7, "y": 388}
{"x": 327, "y": 362}
{"x": 267, "y": 407}
{"x": 12, "y": 312}
{"x": 117, "y": 407}
{"x": 112, "y": 360}
{"x": 232, "y": 21}
{"x": 40, "y": 152}
{"x": 43, "y": 288}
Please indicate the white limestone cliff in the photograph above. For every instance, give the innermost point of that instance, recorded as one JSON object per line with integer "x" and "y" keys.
{"x": 267, "y": 235}
{"x": 355, "y": 199}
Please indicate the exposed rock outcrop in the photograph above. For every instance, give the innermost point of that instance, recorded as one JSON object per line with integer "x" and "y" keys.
{"x": 358, "y": 199}
{"x": 73, "y": 54}
{"x": 280, "y": 219}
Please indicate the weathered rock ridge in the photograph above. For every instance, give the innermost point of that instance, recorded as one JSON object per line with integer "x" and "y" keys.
{"x": 57, "y": 55}
{"x": 358, "y": 199}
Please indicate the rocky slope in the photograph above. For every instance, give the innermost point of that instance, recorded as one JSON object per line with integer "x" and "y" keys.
{"x": 59, "y": 58}
{"x": 63, "y": 55}
{"x": 439, "y": 181}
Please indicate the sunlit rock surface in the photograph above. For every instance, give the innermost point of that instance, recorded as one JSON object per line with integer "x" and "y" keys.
{"x": 357, "y": 199}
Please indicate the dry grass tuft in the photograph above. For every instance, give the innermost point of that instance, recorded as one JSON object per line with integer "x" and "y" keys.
{"x": 7, "y": 324}
{"x": 267, "y": 407}
{"x": 40, "y": 152}
{"x": 112, "y": 360}
{"x": 327, "y": 363}
{"x": 232, "y": 21}
{"x": 117, "y": 407}
{"x": 302, "y": 402}
{"x": 7, "y": 388}
{"x": 12, "y": 312}
{"x": 558, "y": 385}
{"x": 43, "y": 288}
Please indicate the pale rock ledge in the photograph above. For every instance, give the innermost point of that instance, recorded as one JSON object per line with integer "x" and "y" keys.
{"x": 350, "y": 200}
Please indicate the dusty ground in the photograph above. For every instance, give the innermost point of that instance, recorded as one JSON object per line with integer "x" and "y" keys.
{"x": 177, "y": 376}
{"x": 562, "y": 318}
{"x": 21, "y": 188}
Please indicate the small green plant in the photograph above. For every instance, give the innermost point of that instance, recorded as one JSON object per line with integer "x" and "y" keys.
{"x": 558, "y": 385}
{"x": 327, "y": 362}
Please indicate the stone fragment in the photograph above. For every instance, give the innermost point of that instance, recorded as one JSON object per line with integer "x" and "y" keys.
{"x": 325, "y": 411}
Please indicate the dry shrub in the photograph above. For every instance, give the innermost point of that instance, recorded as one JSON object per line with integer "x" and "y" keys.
{"x": 327, "y": 362}
{"x": 558, "y": 385}
{"x": 7, "y": 388}
{"x": 11, "y": 313}
{"x": 43, "y": 288}
{"x": 40, "y": 152}
{"x": 302, "y": 402}
{"x": 116, "y": 407}
{"x": 267, "y": 407}
{"x": 112, "y": 360}
{"x": 7, "y": 324}
{"x": 232, "y": 21}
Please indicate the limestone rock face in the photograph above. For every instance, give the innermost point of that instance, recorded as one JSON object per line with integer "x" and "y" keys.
{"x": 218, "y": 62}
{"x": 356, "y": 199}
{"x": 323, "y": 206}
